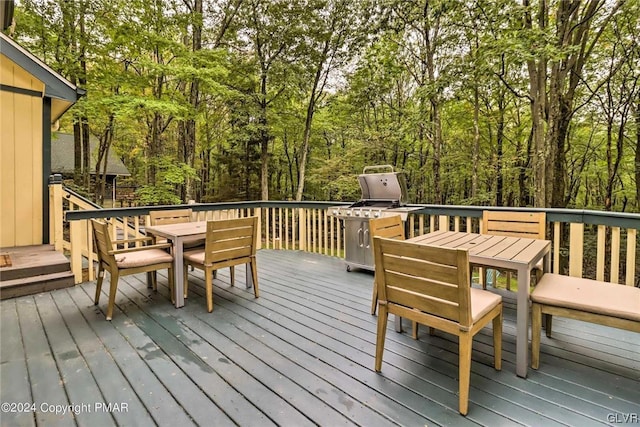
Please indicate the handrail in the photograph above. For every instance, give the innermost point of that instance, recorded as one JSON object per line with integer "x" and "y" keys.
{"x": 611, "y": 219}
{"x": 310, "y": 226}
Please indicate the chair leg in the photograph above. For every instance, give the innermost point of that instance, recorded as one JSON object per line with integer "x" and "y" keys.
{"x": 383, "y": 315}
{"x": 548, "y": 321}
{"x": 254, "y": 276}
{"x": 112, "y": 295}
{"x": 497, "y": 342}
{"x": 99, "y": 284}
{"x": 208, "y": 285}
{"x": 536, "y": 325}
{"x": 374, "y": 298}
{"x": 414, "y": 330}
{"x": 232, "y": 270}
{"x": 464, "y": 370}
{"x": 152, "y": 280}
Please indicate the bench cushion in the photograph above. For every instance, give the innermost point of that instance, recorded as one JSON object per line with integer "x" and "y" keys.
{"x": 588, "y": 295}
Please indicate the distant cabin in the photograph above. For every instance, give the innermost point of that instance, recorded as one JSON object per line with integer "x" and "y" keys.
{"x": 32, "y": 98}
{"x": 62, "y": 161}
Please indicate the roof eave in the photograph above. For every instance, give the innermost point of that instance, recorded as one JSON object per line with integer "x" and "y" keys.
{"x": 56, "y": 86}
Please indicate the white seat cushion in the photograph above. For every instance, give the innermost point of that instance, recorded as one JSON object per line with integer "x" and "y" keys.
{"x": 482, "y": 302}
{"x": 588, "y": 295}
{"x": 195, "y": 256}
{"x": 143, "y": 258}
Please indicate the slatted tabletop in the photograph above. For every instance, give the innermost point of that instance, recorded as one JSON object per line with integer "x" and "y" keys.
{"x": 489, "y": 249}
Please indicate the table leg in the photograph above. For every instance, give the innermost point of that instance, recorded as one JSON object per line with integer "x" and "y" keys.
{"x": 178, "y": 272}
{"x": 522, "y": 322}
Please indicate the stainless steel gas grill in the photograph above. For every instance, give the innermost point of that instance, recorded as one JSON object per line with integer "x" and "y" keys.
{"x": 384, "y": 193}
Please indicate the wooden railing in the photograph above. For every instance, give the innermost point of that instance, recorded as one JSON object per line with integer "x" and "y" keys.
{"x": 600, "y": 245}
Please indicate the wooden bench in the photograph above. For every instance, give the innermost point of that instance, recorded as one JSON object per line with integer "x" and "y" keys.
{"x": 582, "y": 299}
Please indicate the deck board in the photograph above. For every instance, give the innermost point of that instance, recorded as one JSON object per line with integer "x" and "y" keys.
{"x": 90, "y": 333}
{"x": 301, "y": 354}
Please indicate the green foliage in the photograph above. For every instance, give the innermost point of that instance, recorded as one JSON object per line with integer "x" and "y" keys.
{"x": 163, "y": 194}
{"x": 404, "y": 83}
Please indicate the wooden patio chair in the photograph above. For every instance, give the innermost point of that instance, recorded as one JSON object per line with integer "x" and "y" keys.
{"x": 430, "y": 285}
{"x": 229, "y": 242}
{"x": 514, "y": 224}
{"x": 175, "y": 216}
{"x": 390, "y": 227}
{"x": 126, "y": 261}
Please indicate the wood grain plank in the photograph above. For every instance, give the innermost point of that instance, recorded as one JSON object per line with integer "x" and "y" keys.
{"x": 46, "y": 384}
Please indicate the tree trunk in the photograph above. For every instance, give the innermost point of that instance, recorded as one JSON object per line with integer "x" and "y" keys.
{"x": 188, "y": 148}
{"x": 311, "y": 107}
{"x": 475, "y": 153}
{"x": 86, "y": 154}
{"x": 575, "y": 41}
{"x": 499, "y": 154}
{"x": 537, "y": 96}
{"x": 102, "y": 162}
{"x": 82, "y": 80}
{"x": 264, "y": 139}
{"x": 77, "y": 152}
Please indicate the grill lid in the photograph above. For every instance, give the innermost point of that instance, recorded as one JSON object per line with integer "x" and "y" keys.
{"x": 383, "y": 187}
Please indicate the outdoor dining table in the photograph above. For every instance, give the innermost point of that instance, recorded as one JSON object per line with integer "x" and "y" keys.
{"x": 178, "y": 234}
{"x": 518, "y": 254}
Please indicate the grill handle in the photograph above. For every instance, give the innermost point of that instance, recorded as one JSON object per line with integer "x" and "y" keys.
{"x": 366, "y": 238}
{"x": 360, "y": 240}
{"x": 376, "y": 167}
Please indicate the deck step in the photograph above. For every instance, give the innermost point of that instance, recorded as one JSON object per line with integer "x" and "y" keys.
{"x": 33, "y": 269}
{"x": 35, "y": 284}
{"x": 27, "y": 261}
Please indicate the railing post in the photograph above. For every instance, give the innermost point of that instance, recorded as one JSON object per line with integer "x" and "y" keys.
{"x": 557, "y": 236}
{"x": 258, "y": 212}
{"x": 56, "y": 220}
{"x": 576, "y": 248}
{"x": 615, "y": 255}
{"x": 631, "y": 256}
{"x": 302, "y": 235}
{"x": 443, "y": 222}
{"x": 76, "y": 232}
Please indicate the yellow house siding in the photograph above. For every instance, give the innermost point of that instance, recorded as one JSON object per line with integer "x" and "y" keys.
{"x": 21, "y": 159}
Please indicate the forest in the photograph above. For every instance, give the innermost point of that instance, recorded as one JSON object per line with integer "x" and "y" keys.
{"x": 480, "y": 102}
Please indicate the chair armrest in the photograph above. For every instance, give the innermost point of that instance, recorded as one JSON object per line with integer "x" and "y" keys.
{"x": 141, "y": 248}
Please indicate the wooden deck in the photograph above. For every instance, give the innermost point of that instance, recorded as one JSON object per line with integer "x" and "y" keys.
{"x": 301, "y": 354}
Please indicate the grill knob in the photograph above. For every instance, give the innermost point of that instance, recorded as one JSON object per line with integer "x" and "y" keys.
{"x": 376, "y": 214}
{"x": 335, "y": 212}
{"x": 349, "y": 213}
{"x": 367, "y": 213}
{"x": 357, "y": 213}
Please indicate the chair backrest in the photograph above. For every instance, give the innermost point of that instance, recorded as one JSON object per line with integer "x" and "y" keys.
{"x": 390, "y": 227}
{"x": 514, "y": 224}
{"x": 434, "y": 280}
{"x": 231, "y": 241}
{"x": 102, "y": 242}
{"x": 175, "y": 216}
